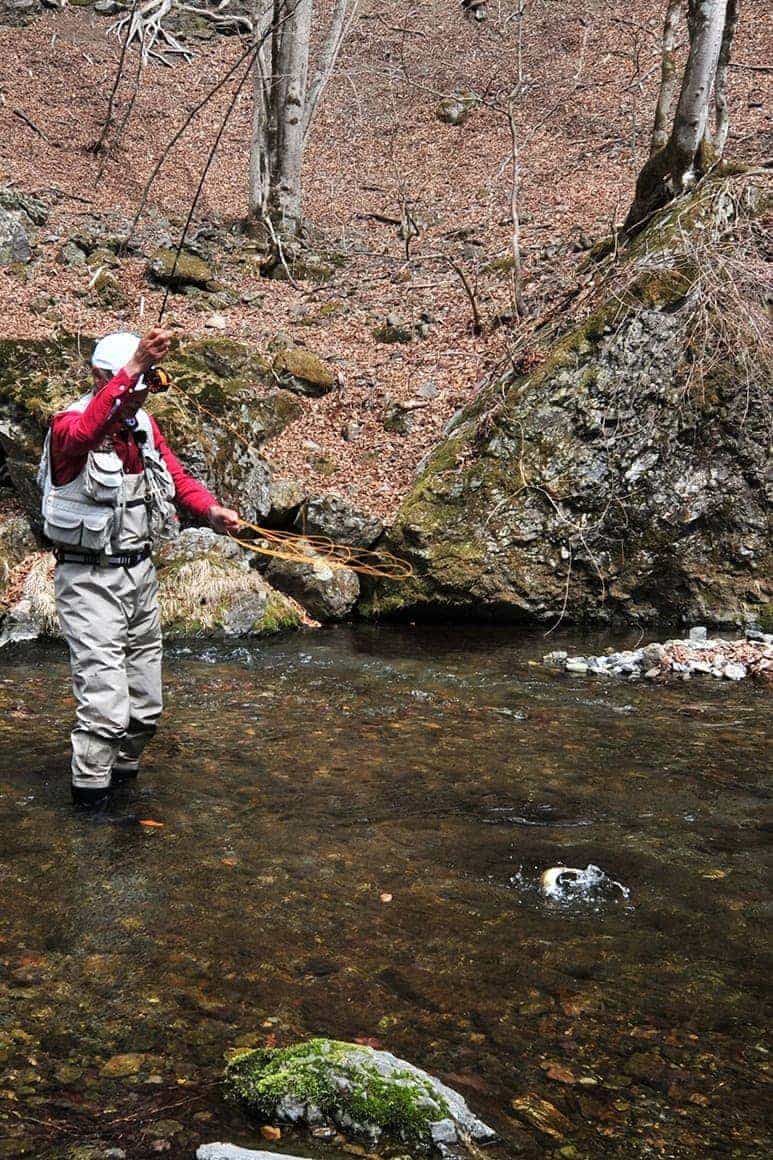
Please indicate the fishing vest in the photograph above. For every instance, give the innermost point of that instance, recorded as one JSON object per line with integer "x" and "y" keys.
{"x": 104, "y": 509}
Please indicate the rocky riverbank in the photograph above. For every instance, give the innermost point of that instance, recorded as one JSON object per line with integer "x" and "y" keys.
{"x": 697, "y": 655}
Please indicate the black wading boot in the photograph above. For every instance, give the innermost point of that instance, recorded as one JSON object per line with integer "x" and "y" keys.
{"x": 93, "y": 798}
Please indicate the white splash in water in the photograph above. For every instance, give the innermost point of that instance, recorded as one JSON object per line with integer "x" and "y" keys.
{"x": 569, "y": 884}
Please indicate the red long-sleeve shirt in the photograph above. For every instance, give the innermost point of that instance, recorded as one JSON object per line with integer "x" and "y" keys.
{"x": 75, "y": 433}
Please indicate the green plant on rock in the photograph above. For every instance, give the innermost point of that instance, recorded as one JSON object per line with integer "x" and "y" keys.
{"x": 342, "y": 1081}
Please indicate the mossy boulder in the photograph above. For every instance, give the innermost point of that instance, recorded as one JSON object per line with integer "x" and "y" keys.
{"x": 623, "y": 478}
{"x": 207, "y": 588}
{"x": 365, "y": 1093}
{"x": 455, "y": 108}
{"x": 187, "y": 269}
{"x": 304, "y": 372}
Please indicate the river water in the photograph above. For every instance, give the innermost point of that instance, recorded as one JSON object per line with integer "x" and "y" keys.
{"x": 353, "y": 828}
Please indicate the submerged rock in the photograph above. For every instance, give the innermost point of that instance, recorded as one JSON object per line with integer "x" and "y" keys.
{"x": 232, "y": 1152}
{"x": 366, "y": 1093}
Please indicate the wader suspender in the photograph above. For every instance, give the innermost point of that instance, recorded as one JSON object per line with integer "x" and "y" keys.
{"x": 140, "y": 445}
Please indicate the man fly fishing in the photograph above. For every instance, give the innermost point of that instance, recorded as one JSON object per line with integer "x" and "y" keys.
{"x": 109, "y": 484}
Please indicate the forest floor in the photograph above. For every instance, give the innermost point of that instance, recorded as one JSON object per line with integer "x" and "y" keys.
{"x": 377, "y": 147}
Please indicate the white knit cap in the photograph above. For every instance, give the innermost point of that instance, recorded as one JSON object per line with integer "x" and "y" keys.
{"x": 114, "y": 351}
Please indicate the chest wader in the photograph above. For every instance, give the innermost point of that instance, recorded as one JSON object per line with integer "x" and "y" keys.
{"x": 102, "y": 526}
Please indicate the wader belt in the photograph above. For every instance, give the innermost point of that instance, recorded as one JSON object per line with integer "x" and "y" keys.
{"x": 98, "y": 560}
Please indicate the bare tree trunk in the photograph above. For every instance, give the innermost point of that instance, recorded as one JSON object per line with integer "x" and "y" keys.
{"x": 290, "y": 98}
{"x": 262, "y": 144}
{"x": 343, "y": 17}
{"x": 722, "y": 124}
{"x": 668, "y": 76}
{"x": 285, "y": 103}
{"x": 683, "y": 159}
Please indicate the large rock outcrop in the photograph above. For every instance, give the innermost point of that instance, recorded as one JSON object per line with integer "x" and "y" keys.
{"x": 623, "y": 478}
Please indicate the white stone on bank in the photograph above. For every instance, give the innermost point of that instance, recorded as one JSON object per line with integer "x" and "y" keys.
{"x": 733, "y": 660}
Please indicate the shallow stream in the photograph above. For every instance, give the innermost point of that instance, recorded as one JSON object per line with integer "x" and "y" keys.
{"x": 353, "y": 828}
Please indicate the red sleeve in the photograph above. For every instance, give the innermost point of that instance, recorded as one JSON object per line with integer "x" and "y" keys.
{"x": 190, "y": 493}
{"x": 75, "y": 433}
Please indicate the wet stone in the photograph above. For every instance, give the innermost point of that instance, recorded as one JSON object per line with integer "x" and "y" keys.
{"x": 122, "y": 1066}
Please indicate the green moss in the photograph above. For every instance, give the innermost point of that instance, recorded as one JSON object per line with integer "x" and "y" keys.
{"x": 402, "y": 1105}
{"x": 305, "y": 366}
{"x": 279, "y": 616}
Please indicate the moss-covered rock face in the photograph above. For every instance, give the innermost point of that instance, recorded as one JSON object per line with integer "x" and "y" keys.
{"x": 207, "y": 588}
{"x": 364, "y": 1092}
{"x": 624, "y": 477}
{"x": 225, "y": 409}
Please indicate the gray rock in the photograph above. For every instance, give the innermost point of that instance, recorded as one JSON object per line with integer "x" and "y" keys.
{"x": 285, "y": 497}
{"x": 734, "y": 672}
{"x": 30, "y": 209}
{"x": 331, "y": 516}
{"x": 107, "y": 7}
{"x": 456, "y": 108}
{"x": 328, "y": 593}
{"x": 344, "y": 1067}
{"x": 232, "y": 1152}
{"x": 653, "y": 655}
{"x": 14, "y": 243}
{"x": 697, "y": 634}
{"x": 398, "y": 419}
{"x": 72, "y": 255}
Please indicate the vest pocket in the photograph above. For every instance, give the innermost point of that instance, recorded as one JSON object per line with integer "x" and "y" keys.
{"x": 85, "y": 528}
{"x": 103, "y": 477}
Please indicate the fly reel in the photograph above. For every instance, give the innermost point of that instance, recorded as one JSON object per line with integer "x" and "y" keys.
{"x": 157, "y": 380}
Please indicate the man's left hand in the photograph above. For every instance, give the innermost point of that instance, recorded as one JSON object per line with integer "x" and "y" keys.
{"x": 224, "y": 520}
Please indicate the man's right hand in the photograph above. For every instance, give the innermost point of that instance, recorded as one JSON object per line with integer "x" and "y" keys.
{"x": 153, "y": 348}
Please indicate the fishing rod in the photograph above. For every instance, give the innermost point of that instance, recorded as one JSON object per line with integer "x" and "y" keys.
{"x": 202, "y": 179}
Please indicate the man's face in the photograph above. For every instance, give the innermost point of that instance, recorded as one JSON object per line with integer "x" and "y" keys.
{"x": 135, "y": 400}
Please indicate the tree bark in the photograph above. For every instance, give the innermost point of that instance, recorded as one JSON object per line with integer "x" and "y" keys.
{"x": 688, "y": 153}
{"x": 343, "y": 17}
{"x": 668, "y": 76}
{"x": 290, "y": 98}
{"x": 265, "y": 15}
{"x": 722, "y": 123}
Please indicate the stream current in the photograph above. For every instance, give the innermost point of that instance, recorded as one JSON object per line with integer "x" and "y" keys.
{"x": 349, "y": 834}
